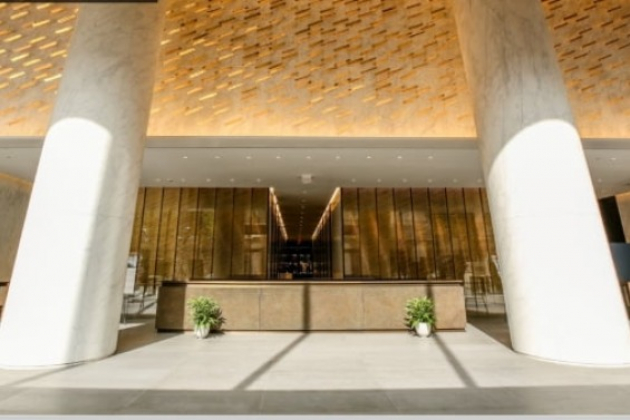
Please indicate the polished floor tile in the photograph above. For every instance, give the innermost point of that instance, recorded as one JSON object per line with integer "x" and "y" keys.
{"x": 471, "y": 372}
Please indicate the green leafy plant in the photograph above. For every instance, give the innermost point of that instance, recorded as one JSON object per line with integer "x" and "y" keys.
{"x": 206, "y": 311}
{"x": 419, "y": 310}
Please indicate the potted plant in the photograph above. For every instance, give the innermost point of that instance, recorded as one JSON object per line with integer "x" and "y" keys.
{"x": 420, "y": 315}
{"x": 206, "y": 315}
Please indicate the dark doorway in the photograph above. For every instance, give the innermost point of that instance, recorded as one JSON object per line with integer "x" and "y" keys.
{"x": 296, "y": 260}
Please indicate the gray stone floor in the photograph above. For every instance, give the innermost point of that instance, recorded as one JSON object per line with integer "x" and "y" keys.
{"x": 317, "y": 373}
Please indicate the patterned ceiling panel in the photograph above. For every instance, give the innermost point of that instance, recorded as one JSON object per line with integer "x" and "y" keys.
{"x": 592, "y": 41}
{"x": 301, "y": 67}
{"x": 317, "y": 68}
{"x": 33, "y": 44}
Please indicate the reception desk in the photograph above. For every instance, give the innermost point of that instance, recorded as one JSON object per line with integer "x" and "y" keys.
{"x": 292, "y": 305}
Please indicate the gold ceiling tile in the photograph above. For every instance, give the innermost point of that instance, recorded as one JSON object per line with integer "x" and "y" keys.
{"x": 586, "y": 36}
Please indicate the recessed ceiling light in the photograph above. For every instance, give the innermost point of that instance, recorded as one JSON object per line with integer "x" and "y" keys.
{"x": 430, "y": 157}
{"x": 208, "y": 179}
{"x": 613, "y": 158}
{"x": 232, "y": 180}
{"x": 308, "y": 157}
{"x": 353, "y": 180}
{"x": 429, "y": 180}
{"x": 184, "y": 157}
{"x": 217, "y": 157}
{"x": 404, "y": 180}
{"x": 337, "y": 157}
{"x": 248, "y": 157}
{"x": 399, "y": 157}
{"x": 378, "y": 180}
{"x": 278, "y": 157}
{"x": 258, "y": 180}
{"x": 368, "y": 157}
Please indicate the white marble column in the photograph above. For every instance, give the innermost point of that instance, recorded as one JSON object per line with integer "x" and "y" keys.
{"x": 561, "y": 291}
{"x": 67, "y": 284}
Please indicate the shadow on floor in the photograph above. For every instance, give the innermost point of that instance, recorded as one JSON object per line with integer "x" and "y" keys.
{"x": 495, "y": 325}
{"x": 139, "y": 332}
{"x": 505, "y": 400}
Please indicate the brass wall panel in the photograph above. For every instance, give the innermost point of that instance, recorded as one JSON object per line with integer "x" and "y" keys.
{"x": 387, "y": 241}
{"x": 136, "y": 233}
{"x": 149, "y": 237}
{"x": 205, "y": 234}
{"x": 258, "y": 233}
{"x": 478, "y": 278}
{"x": 423, "y": 232}
{"x": 441, "y": 235}
{"x": 351, "y": 246}
{"x": 623, "y": 203}
{"x": 407, "y": 261}
{"x": 368, "y": 238}
{"x": 222, "y": 258}
{"x": 336, "y": 242}
{"x": 241, "y": 225}
{"x": 459, "y": 231}
{"x": 167, "y": 241}
{"x": 186, "y": 233}
{"x": 497, "y": 287}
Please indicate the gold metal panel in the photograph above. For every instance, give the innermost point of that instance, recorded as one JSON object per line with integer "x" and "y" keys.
{"x": 351, "y": 246}
{"x": 205, "y": 234}
{"x": 258, "y": 233}
{"x": 223, "y": 221}
{"x": 387, "y": 241}
{"x": 407, "y": 261}
{"x": 459, "y": 231}
{"x": 441, "y": 235}
{"x": 623, "y": 202}
{"x": 241, "y": 257}
{"x": 368, "y": 237}
{"x": 137, "y": 223}
{"x": 167, "y": 241}
{"x": 149, "y": 238}
{"x": 497, "y": 287}
{"x": 478, "y": 276}
{"x": 336, "y": 243}
{"x": 423, "y": 232}
{"x": 186, "y": 232}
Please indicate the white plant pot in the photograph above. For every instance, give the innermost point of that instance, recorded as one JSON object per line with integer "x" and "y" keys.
{"x": 423, "y": 329}
{"x": 202, "y": 331}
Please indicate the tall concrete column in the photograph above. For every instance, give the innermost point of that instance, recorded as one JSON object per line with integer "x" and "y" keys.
{"x": 66, "y": 290}
{"x": 561, "y": 291}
